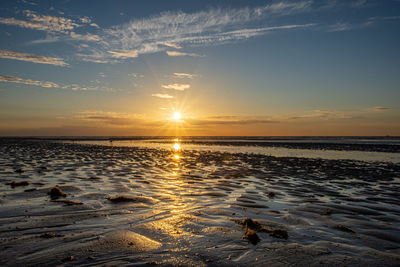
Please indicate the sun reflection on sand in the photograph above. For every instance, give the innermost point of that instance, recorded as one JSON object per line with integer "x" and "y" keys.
{"x": 180, "y": 202}
{"x": 177, "y": 146}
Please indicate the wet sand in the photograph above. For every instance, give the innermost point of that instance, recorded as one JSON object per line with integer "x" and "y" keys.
{"x": 142, "y": 206}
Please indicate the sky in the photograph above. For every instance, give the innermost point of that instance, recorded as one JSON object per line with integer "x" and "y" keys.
{"x": 231, "y": 68}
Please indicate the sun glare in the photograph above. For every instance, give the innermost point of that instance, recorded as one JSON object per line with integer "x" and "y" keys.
{"x": 177, "y": 146}
{"x": 177, "y": 116}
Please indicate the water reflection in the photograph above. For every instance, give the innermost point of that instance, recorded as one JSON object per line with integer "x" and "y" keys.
{"x": 176, "y": 149}
{"x": 177, "y": 146}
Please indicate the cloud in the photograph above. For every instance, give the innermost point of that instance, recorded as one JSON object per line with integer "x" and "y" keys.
{"x": 328, "y": 115}
{"x": 136, "y": 75}
{"x": 230, "y": 120}
{"x": 32, "y": 58}
{"x": 184, "y": 75}
{"x": 85, "y": 37}
{"x": 46, "y": 84}
{"x": 176, "y": 86}
{"x": 42, "y": 22}
{"x": 112, "y": 118}
{"x": 161, "y": 32}
{"x": 179, "y": 54}
{"x": 380, "y": 108}
{"x": 340, "y": 26}
{"x": 47, "y": 40}
{"x": 124, "y": 53}
{"x": 11, "y": 79}
{"x": 213, "y": 26}
{"x": 54, "y": 26}
{"x": 172, "y": 45}
{"x": 165, "y": 96}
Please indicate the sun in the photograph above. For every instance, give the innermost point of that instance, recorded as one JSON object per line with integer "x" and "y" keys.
{"x": 177, "y": 116}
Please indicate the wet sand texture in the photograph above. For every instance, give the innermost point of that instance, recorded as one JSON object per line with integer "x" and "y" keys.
{"x": 113, "y": 206}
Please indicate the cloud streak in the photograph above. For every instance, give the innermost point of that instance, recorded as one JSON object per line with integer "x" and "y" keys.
{"x": 182, "y": 54}
{"x": 380, "y": 108}
{"x": 164, "y": 96}
{"x": 176, "y": 86}
{"x": 54, "y": 26}
{"x": 41, "y": 22}
{"x": 105, "y": 117}
{"x": 124, "y": 53}
{"x": 184, "y": 75}
{"x": 32, "y": 58}
{"x": 12, "y": 79}
{"x": 229, "y": 121}
{"x": 47, "y": 84}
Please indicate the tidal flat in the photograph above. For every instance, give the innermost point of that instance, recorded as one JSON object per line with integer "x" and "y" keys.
{"x": 86, "y": 204}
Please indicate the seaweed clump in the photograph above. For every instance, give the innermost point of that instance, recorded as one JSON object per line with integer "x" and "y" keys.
{"x": 56, "y": 192}
{"x": 252, "y": 227}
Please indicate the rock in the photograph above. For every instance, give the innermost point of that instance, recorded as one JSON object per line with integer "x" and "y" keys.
{"x": 256, "y": 226}
{"x": 118, "y": 199}
{"x": 271, "y": 194}
{"x": 21, "y": 183}
{"x": 327, "y": 212}
{"x": 278, "y": 233}
{"x": 69, "y": 258}
{"x": 343, "y": 228}
{"x": 252, "y": 236}
{"x": 48, "y": 235}
{"x": 56, "y": 192}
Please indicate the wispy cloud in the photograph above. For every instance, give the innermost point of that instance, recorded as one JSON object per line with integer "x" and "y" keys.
{"x": 184, "y": 75}
{"x": 340, "y": 26}
{"x": 181, "y": 54}
{"x": 329, "y": 115}
{"x": 53, "y": 25}
{"x": 380, "y": 108}
{"x": 230, "y": 120}
{"x": 164, "y": 96}
{"x": 177, "y": 30}
{"x": 85, "y": 37}
{"x": 42, "y": 22}
{"x": 12, "y": 79}
{"x": 176, "y": 86}
{"x": 211, "y": 27}
{"x": 172, "y": 45}
{"x": 136, "y": 75}
{"x": 47, "y": 84}
{"x": 105, "y": 117}
{"x": 124, "y": 53}
{"x": 32, "y": 58}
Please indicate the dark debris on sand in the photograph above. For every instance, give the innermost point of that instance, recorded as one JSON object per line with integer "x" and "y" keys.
{"x": 50, "y": 235}
{"x": 122, "y": 198}
{"x": 252, "y": 227}
{"x": 344, "y": 228}
{"x": 21, "y": 183}
{"x": 67, "y": 202}
{"x": 56, "y": 192}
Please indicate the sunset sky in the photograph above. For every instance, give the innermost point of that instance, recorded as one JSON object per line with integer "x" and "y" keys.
{"x": 228, "y": 67}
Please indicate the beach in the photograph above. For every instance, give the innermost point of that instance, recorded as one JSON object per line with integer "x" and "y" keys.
{"x": 76, "y": 203}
